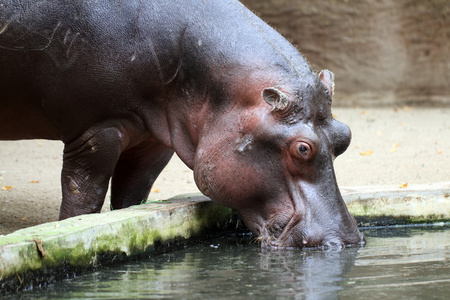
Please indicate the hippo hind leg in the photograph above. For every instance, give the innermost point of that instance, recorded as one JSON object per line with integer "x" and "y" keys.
{"x": 135, "y": 173}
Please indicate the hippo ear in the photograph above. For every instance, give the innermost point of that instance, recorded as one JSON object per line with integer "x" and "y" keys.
{"x": 327, "y": 78}
{"x": 276, "y": 98}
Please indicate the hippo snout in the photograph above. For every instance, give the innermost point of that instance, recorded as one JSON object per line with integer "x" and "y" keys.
{"x": 302, "y": 236}
{"x": 336, "y": 242}
{"x": 328, "y": 243}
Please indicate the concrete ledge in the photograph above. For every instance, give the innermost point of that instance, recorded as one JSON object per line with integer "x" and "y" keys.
{"x": 379, "y": 205}
{"x": 81, "y": 241}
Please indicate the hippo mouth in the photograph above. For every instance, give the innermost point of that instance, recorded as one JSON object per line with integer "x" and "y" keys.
{"x": 270, "y": 242}
{"x": 292, "y": 236}
{"x": 277, "y": 235}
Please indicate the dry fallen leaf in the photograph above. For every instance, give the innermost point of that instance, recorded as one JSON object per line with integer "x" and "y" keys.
{"x": 403, "y": 185}
{"x": 394, "y": 148}
{"x": 34, "y": 181}
{"x": 366, "y": 153}
{"x": 439, "y": 152}
{"x": 407, "y": 108}
{"x": 154, "y": 190}
{"x": 7, "y": 187}
{"x": 24, "y": 218}
{"x": 40, "y": 247}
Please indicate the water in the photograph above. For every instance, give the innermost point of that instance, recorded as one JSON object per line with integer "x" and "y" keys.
{"x": 397, "y": 263}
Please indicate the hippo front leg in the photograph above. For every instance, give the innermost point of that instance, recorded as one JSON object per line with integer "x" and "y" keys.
{"x": 136, "y": 172}
{"x": 88, "y": 165}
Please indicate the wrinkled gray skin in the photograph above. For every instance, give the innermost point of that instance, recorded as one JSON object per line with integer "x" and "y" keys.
{"x": 124, "y": 84}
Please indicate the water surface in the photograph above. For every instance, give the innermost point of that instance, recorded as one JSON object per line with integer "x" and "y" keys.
{"x": 397, "y": 263}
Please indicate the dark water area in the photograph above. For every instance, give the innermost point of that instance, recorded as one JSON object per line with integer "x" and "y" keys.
{"x": 397, "y": 263}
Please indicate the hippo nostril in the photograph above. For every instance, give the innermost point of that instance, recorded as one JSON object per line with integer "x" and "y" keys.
{"x": 334, "y": 244}
{"x": 310, "y": 242}
{"x": 356, "y": 239}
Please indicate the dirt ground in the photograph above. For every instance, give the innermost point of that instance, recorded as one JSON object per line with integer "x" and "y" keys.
{"x": 390, "y": 146}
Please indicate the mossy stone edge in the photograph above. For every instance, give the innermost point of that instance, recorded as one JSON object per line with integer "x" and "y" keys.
{"x": 81, "y": 242}
{"x": 383, "y": 206}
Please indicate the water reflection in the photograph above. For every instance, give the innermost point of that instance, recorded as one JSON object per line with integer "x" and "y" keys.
{"x": 413, "y": 262}
{"x": 238, "y": 270}
{"x": 307, "y": 274}
{"x": 227, "y": 268}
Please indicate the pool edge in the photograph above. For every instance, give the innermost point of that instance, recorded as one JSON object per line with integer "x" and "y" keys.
{"x": 383, "y": 206}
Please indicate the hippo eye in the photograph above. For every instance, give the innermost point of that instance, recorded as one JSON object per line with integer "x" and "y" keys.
{"x": 301, "y": 150}
{"x": 304, "y": 149}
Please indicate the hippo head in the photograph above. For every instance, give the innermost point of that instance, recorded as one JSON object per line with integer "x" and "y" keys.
{"x": 270, "y": 157}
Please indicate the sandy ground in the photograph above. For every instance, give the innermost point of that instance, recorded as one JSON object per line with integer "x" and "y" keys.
{"x": 401, "y": 146}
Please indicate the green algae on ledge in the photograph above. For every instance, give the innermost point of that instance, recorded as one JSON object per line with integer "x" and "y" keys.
{"x": 81, "y": 241}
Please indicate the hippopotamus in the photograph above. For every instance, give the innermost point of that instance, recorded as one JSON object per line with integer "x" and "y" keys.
{"x": 125, "y": 84}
